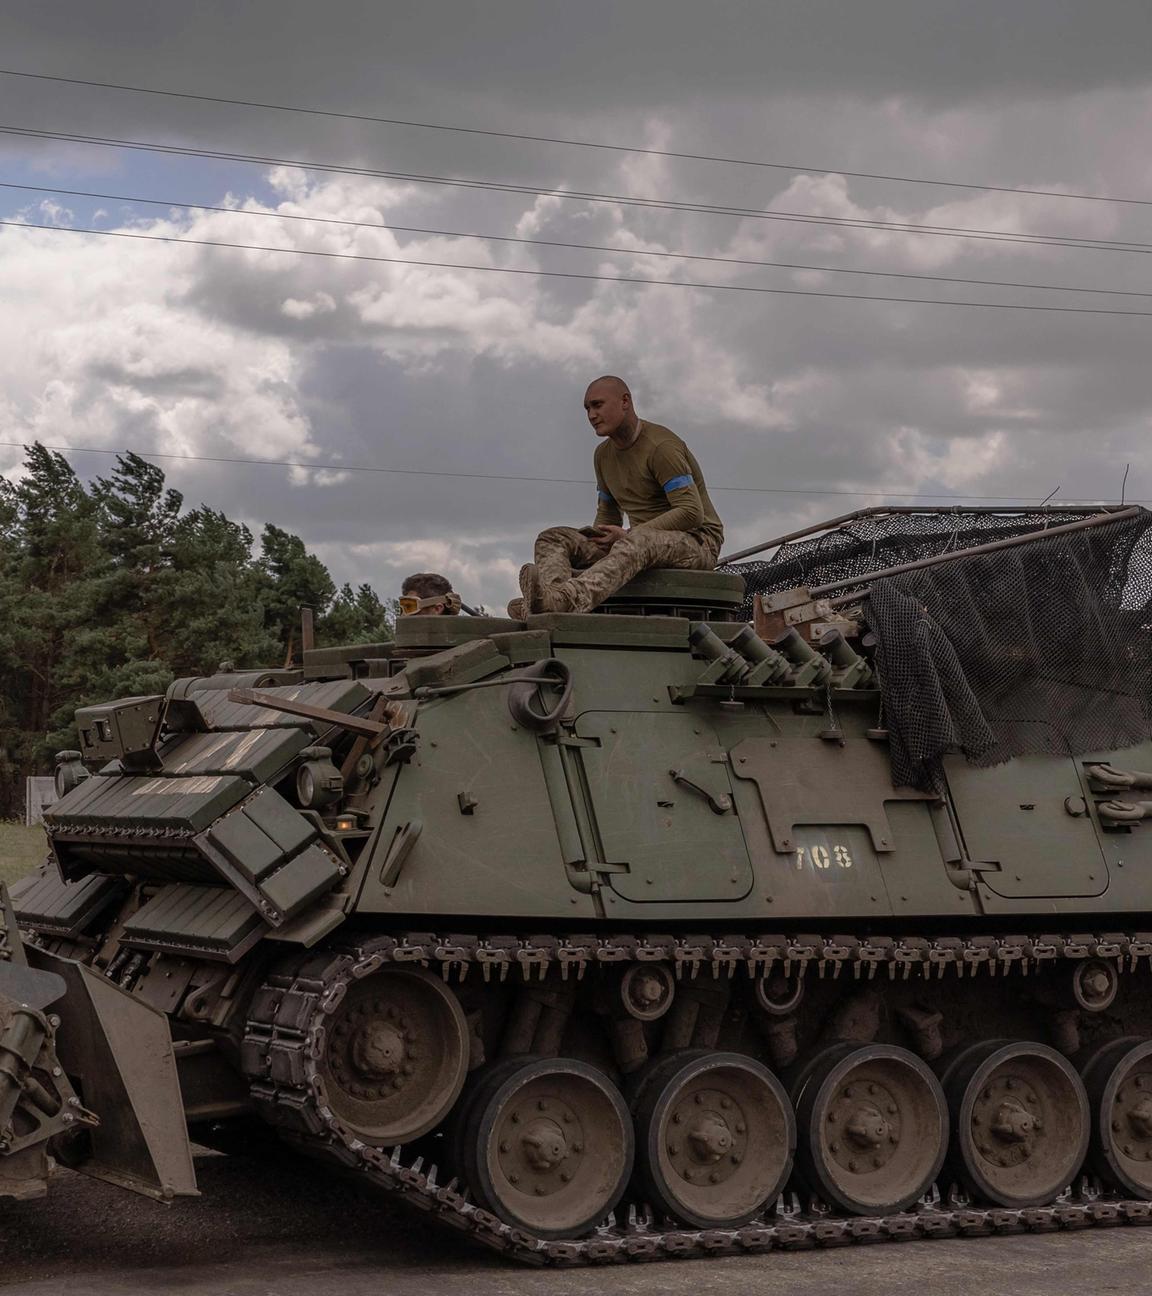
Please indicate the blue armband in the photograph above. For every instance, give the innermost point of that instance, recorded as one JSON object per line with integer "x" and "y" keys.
{"x": 678, "y": 483}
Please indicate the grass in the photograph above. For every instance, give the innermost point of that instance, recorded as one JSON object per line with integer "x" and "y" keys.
{"x": 21, "y": 849}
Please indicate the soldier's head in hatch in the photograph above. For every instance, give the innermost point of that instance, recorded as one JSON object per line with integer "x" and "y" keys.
{"x": 428, "y": 594}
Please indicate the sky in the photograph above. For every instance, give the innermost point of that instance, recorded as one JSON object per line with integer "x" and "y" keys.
{"x": 798, "y": 406}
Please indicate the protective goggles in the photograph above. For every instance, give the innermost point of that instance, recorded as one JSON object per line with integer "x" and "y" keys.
{"x": 410, "y": 605}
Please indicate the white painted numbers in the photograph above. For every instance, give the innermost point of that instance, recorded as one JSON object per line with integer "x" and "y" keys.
{"x": 824, "y": 857}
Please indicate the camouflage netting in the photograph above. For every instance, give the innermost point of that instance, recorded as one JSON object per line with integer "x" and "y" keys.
{"x": 866, "y": 544}
{"x": 1039, "y": 649}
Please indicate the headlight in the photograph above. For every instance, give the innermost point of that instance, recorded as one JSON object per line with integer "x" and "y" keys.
{"x": 318, "y": 782}
{"x": 70, "y": 772}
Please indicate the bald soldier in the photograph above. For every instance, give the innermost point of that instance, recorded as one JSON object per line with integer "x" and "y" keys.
{"x": 644, "y": 473}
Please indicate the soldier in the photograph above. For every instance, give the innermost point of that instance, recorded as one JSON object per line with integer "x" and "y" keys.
{"x": 428, "y": 594}
{"x": 644, "y": 472}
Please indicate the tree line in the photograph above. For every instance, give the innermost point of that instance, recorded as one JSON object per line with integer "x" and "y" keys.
{"x": 113, "y": 588}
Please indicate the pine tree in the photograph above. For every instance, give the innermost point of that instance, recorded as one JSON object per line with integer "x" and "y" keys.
{"x": 293, "y": 579}
{"x": 207, "y": 602}
{"x": 53, "y": 565}
{"x": 355, "y": 616}
{"x": 114, "y": 590}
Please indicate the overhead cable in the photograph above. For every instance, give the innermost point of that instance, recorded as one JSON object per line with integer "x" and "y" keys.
{"x": 569, "y": 274}
{"x": 388, "y": 226}
{"x": 573, "y": 195}
{"x": 509, "y": 477}
{"x": 793, "y": 167}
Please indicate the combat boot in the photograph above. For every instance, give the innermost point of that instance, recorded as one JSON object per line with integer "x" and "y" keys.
{"x": 531, "y": 589}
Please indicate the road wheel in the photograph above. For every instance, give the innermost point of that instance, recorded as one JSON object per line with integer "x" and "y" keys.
{"x": 715, "y": 1137}
{"x": 872, "y": 1127}
{"x": 547, "y": 1146}
{"x": 1118, "y": 1078}
{"x": 395, "y": 1055}
{"x": 1020, "y": 1121}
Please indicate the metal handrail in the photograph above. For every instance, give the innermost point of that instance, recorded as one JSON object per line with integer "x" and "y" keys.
{"x": 1098, "y": 519}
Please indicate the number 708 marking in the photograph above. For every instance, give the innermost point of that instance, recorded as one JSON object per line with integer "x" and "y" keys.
{"x": 823, "y": 858}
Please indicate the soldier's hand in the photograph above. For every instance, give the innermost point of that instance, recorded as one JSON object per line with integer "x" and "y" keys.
{"x": 607, "y": 535}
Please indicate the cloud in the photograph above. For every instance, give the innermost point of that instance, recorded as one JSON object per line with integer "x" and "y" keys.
{"x": 320, "y": 303}
{"x": 552, "y": 56}
{"x": 378, "y": 364}
{"x": 98, "y": 342}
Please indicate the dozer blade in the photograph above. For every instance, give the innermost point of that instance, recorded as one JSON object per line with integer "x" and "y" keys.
{"x": 118, "y": 1052}
{"x": 30, "y": 987}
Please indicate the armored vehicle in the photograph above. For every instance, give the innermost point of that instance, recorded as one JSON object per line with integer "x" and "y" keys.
{"x": 801, "y": 902}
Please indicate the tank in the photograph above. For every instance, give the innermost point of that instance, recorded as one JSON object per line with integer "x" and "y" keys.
{"x": 595, "y": 937}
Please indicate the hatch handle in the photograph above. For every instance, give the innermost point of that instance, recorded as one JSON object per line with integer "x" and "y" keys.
{"x": 719, "y": 802}
{"x": 404, "y": 837}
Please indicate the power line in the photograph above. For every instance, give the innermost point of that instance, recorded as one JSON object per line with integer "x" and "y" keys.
{"x": 509, "y": 477}
{"x": 557, "y": 243}
{"x": 623, "y": 200}
{"x": 569, "y": 274}
{"x": 577, "y": 143}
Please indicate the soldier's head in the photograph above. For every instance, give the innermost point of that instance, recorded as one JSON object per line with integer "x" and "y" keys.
{"x": 608, "y": 404}
{"x": 428, "y": 594}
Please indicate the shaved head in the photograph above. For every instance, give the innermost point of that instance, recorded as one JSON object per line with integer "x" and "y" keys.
{"x": 608, "y": 404}
{"x": 615, "y": 386}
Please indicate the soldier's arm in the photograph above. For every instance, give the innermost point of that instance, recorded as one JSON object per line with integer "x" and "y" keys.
{"x": 608, "y": 512}
{"x": 673, "y": 474}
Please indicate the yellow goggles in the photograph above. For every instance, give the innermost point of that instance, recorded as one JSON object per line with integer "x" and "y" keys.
{"x": 410, "y": 605}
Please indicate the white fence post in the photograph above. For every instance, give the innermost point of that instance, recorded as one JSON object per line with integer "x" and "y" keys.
{"x": 39, "y": 793}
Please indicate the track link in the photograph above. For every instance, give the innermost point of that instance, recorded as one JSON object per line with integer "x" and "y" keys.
{"x": 285, "y": 1039}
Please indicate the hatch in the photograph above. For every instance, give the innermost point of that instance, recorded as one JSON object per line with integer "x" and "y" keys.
{"x": 662, "y": 797}
{"x": 1020, "y": 816}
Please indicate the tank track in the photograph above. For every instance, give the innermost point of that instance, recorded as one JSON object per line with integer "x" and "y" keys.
{"x": 285, "y": 1037}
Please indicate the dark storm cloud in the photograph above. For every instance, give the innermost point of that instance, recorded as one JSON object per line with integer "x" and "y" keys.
{"x": 552, "y": 54}
{"x": 232, "y": 354}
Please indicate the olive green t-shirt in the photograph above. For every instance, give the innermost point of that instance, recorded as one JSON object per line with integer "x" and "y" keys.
{"x": 657, "y": 483}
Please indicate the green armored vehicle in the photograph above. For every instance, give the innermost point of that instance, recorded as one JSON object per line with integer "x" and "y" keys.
{"x": 802, "y": 902}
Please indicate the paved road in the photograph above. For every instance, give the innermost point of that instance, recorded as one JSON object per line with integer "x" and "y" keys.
{"x": 253, "y": 1234}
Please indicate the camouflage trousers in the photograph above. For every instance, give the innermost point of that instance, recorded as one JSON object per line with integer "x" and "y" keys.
{"x": 577, "y": 575}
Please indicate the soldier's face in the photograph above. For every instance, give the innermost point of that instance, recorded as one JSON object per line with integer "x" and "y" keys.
{"x": 606, "y": 408}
